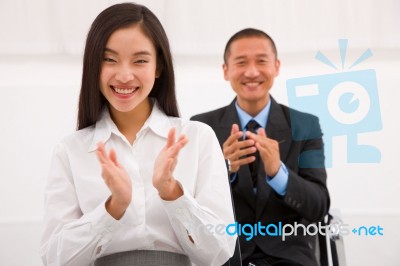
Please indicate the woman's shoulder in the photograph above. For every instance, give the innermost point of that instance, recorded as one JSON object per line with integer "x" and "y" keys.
{"x": 186, "y": 123}
{"x": 190, "y": 127}
{"x": 82, "y": 137}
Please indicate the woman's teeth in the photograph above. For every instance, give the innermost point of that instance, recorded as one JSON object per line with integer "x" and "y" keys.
{"x": 124, "y": 91}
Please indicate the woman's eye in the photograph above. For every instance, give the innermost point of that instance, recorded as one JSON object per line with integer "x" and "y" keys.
{"x": 141, "y": 61}
{"x": 106, "y": 59}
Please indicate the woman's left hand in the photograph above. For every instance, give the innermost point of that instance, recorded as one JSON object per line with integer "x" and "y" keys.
{"x": 167, "y": 186}
{"x": 117, "y": 180}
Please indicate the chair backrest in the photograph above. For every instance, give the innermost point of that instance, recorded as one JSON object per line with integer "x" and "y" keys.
{"x": 331, "y": 245}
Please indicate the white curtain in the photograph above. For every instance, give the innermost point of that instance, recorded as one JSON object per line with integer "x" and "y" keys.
{"x": 202, "y": 27}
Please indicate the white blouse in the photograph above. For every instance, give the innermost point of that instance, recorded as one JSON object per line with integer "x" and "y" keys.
{"x": 78, "y": 229}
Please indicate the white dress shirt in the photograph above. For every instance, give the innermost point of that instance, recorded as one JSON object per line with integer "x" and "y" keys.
{"x": 78, "y": 229}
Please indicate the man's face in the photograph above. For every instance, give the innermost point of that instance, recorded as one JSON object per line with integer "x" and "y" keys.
{"x": 251, "y": 68}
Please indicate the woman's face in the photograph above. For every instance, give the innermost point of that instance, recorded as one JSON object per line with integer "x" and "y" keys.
{"x": 128, "y": 69}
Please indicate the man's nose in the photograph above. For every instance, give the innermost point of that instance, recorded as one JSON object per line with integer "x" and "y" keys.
{"x": 251, "y": 71}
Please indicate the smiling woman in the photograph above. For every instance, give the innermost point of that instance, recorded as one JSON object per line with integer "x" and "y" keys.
{"x": 128, "y": 72}
{"x": 127, "y": 76}
{"x": 150, "y": 189}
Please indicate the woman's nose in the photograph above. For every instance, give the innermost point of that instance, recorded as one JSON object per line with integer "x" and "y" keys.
{"x": 124, "y": 75}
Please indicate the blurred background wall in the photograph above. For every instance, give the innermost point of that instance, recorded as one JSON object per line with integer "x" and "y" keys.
{"x": 41, "y": 45}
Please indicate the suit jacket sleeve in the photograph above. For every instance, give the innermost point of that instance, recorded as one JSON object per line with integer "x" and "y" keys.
{"x": 307, "y": 193}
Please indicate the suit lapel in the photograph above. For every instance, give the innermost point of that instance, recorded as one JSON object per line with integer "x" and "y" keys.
{"x": 263, "y": 192}
{"x": 278, "y": 129}
{"x": 229, "y": 117}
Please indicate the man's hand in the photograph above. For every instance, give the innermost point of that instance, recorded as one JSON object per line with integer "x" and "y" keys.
{"x": 117, "y": 180}
{"x": 164, "y": 166}
{"x": 268, "y": 149}
{"x": 237, "y": 150}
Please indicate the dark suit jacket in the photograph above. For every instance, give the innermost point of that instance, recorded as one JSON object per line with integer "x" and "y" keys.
{"x": 307, "y": 198}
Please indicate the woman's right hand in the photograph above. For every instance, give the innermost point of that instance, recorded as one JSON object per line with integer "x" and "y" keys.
{"x": 117, "y": 180}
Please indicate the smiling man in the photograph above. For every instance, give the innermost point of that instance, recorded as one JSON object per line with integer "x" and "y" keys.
{"x": 262, "y": 156}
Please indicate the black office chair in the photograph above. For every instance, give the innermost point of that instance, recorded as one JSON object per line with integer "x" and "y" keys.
{"x": 331, "y": 246}
{"x": 236, "y": 259}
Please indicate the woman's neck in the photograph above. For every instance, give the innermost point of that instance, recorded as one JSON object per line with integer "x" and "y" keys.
{"x": 129, "y": 123}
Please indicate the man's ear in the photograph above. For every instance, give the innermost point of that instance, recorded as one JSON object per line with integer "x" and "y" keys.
{"x": 277, "y": 67}
{"x": 225, "y": 69}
